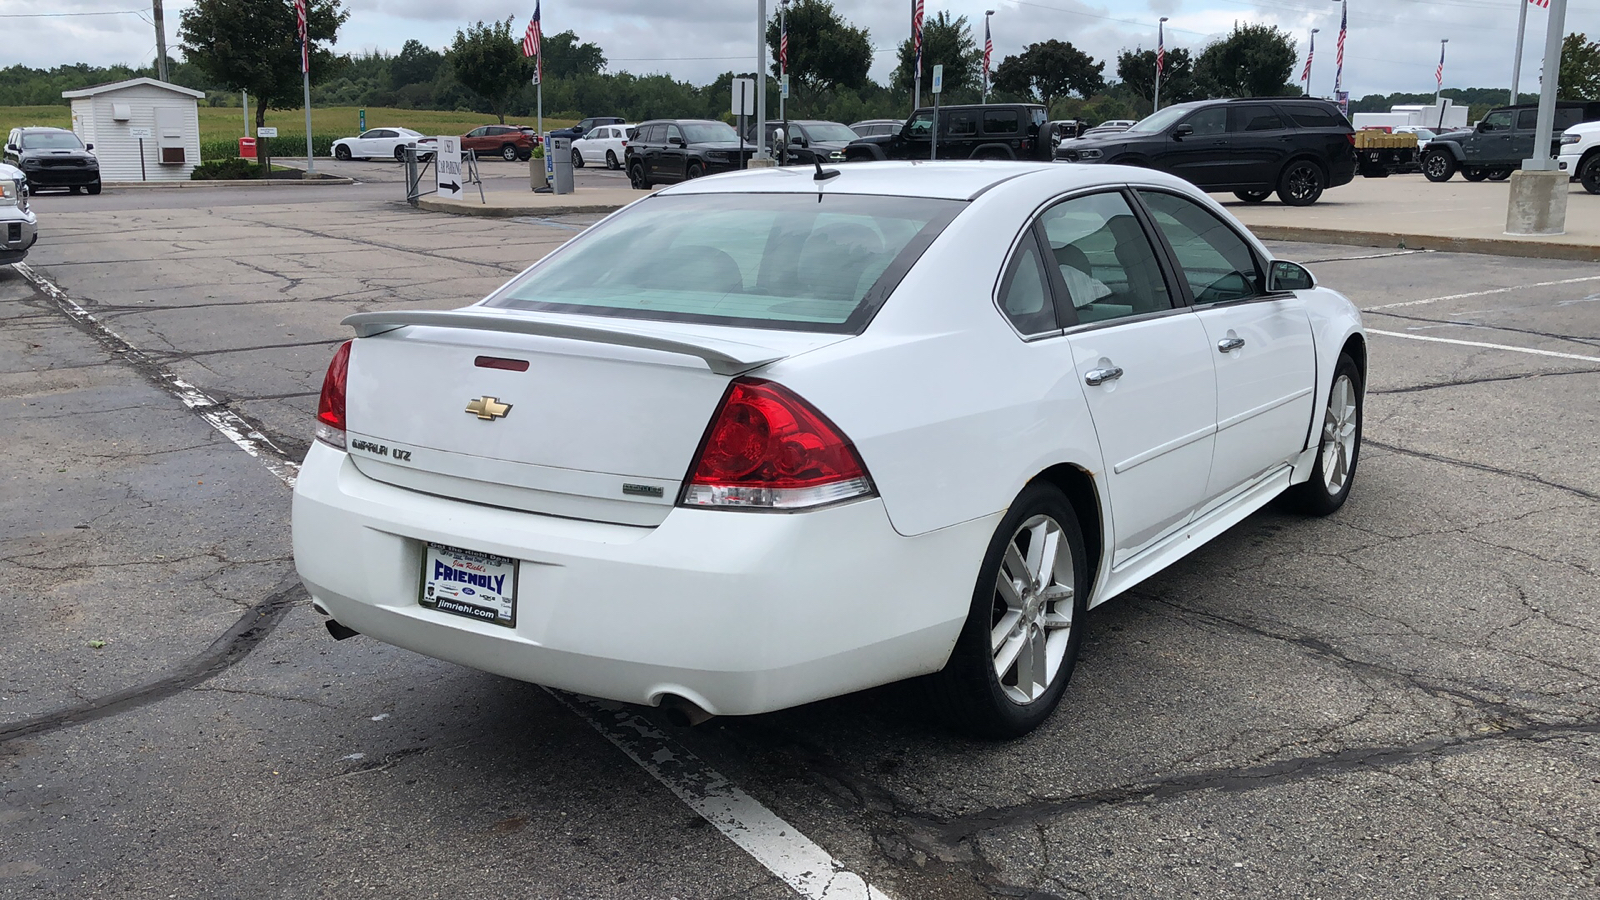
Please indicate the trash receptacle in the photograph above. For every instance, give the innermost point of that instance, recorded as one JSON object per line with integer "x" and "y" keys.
{"x": 560, "y": 151}
{"x": 247, "y": 148}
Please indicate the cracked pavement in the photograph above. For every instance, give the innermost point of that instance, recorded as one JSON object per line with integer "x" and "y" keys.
{"x": 1402, "y": 700}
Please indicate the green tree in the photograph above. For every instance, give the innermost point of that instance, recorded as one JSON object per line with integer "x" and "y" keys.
{"x": 1253, "y": 61}
{"x": 1136, "y": 69}
{"x": 945, "y": 42}
{"x": 1580, "y": 68}
{"x": 253, "y": 45}
{"x": 1050, "y": 70}
{"x": 825, "y": 51}
{"x": 416, "y": 64}
{"x": 489, "y": 63}
{"x": 564, "y": 57}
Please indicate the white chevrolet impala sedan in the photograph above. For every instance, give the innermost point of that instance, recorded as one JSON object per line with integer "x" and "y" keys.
{"x": 780, "y": 435}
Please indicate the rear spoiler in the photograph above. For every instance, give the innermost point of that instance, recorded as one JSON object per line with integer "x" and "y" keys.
{"x": 723, "y": 357}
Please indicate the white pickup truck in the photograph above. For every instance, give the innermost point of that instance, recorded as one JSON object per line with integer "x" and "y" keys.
{"x": 1580, "y": 150}
{"x": 19, "y": 227}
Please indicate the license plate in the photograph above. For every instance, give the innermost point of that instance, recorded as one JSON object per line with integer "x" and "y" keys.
{"x": 468, "y": 583}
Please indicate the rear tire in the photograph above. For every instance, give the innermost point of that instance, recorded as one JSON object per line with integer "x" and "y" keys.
{"x": 1499, "y": 174}
{"x": 611, "y": 160}
{"x": 1253, "y": 196}
{"x": 1339, "y": 449}
{"x": 1438, "y": 165}
{"x": 1475, "y": 174}
{"x": 1302, "y": 183}
{"x": 1006, "y": 687}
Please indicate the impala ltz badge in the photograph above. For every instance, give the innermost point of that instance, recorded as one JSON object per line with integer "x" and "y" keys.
{"x": 489, "y": 408}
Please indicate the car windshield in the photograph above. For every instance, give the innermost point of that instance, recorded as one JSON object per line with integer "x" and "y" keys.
{"x": 797, "y": 262}
{"x": 1424, "y": 134}
{"x": 1162, "y": 120}
{"x": 708, "y": 132}
{"x": 829, "y": 131}
{"x": 51, "y": 140}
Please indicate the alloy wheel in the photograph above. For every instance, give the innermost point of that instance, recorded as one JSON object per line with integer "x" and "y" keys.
{"x": 1339, "y": 435}
{"x": 1031, "y": 620}
{"x": 1302, "y": 182}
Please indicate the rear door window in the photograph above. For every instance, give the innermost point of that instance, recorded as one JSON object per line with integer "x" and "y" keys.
{"x": 962, "y": 124}
{"x": 1566, "y": 117}
{"x": 1002, "y": 121}
{"x": 789, "y": 261}
{"x": 1528, "y": 119}
{"x": 1105, "y": 258}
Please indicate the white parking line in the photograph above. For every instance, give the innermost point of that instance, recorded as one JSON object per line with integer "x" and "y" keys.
{"x": 786, "y": 853}
{"x": 1439, "y": 340}
{"x": 1508, "y": 290}
{"x": 227, "y": 422}
{"x": 773, "y": 842}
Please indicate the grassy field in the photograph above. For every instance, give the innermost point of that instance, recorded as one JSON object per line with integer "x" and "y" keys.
{"x": 224, "y": 123}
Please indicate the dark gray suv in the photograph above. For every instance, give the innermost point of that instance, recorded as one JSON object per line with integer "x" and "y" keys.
{"x": 53, "y": 158}
{"x": 1500, "y": 143}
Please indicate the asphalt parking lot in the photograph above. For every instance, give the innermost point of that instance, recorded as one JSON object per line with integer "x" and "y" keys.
{"x": 1402, "y": 700}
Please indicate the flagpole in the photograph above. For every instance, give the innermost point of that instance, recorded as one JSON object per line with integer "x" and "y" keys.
{"x": 1516, "y": 64}
{"x": 311, "y": 162}
{"x": 783, "y": 54}
{"x": 305, "y": 82}
{"x": 1338, "y": 74}
{"x": 916, "y": 38}
{"x": 1161, "y": 49}
{"x": 1311, "y": 57}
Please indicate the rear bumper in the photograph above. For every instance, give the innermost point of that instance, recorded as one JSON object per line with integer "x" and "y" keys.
{"x": 739, "y": 612}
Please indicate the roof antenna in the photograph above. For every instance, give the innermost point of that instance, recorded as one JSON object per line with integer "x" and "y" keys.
{"x": 822, "y": 174}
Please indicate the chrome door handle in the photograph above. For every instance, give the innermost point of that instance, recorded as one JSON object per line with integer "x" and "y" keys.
{"x": 1228, "y": 345}
{"x": 1101, "y": 376}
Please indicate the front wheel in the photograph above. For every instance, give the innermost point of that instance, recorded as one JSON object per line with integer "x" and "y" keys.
{"x": 577, "y": 160}
{"x": 1011, "y": 664}
{"x": 94, "y": 188}
{"x": 1438, "y": 165}
{"x": 611, "y": 160}
{"x": 1589, "y": 174}
{"x": 1337, "y": 454}
{"x": 1253, "y": 196}
{"x": 695, "y": 170}
{"x": 1302, "y": 183}
{"x": 341, "y": 153}
{"x": 637, "y": 178}
{"x": 399, "y": 154}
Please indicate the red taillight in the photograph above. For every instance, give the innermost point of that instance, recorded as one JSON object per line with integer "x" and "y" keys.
{"x": 330, "y": 406}
{"x": 769, "y": 449}
{"x": 1352, "y": 137}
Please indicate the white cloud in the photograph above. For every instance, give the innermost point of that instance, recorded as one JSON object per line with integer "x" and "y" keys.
{"x": 1393, "y": 45}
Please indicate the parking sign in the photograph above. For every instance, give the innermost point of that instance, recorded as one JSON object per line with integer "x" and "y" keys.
{"x": 938, "y": 79}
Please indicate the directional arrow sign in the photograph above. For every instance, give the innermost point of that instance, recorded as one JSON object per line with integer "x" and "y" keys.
{"x": 447, "y": 166}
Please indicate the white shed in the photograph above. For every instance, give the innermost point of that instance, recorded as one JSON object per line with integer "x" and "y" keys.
{"x": 110, "y": 116}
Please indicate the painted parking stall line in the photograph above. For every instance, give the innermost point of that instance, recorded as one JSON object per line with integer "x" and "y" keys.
{"x": 1489, "y": 293}
{"x": 228, "y": 423}
{"x": 804, "y": 866}
{"x": 1486, "y": 346}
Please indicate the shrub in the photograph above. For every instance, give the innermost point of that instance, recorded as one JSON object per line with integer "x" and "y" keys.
{"x": 234, "y": 169}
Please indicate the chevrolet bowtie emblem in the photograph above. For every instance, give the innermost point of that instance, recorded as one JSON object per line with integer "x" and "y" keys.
{"x": 489, "y": 408}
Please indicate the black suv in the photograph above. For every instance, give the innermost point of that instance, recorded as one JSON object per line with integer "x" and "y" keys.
{"x": 665, "y": 150}
{"x": 1252, "y": 147}
{"x": 53, "y": 158}
{"x": 587, "y": 125}
{"x": 1500, "y": 143}
{"x": 809, "y": 139}
{"x": 978, "y": 131}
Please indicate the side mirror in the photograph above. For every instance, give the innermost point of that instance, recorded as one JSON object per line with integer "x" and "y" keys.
{"x": 677, "y": 141}
{"x": 1288, "y": 276}
{"x": 1182, "y": 131}
{"x": 88, "y": 146}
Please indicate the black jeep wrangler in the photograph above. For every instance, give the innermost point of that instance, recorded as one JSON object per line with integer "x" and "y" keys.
{"x": 1500, "y": 143}
{"x": 977, "y": 131}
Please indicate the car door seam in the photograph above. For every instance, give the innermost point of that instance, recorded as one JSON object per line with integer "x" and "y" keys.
{"x": 1154, "y": 452}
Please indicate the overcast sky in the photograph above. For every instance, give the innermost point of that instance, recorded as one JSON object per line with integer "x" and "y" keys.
{"x": 1393, "y": 44}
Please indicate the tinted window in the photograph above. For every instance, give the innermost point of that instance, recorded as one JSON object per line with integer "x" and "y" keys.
{"x": 1025, "y": 297}
{"x": 962, "y": 124}
{"x": 790, "y": 261}
{"x": 1566, "y": 118}
{"x": 1209, "y": 121}
{"x": 1245, "y": 119}
{"x": 1215, "y": 260}
{"x": 1105, "y": 258}
{"x": 1500, "y": 120}
{"x": 655, "y": 134}
{"x": 1313, "y": 116}
{"x": 1001, "y": 121}
{"x": 1528, "y": 119}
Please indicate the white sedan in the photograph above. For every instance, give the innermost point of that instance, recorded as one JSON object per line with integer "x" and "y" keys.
{"x": 603, "y": 144}
{"x": 781, "y": 435}
{"x": 382, "y": 143}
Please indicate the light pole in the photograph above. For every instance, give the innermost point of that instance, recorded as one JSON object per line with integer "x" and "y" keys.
{"x": 1311, "y": 55}
{"x": 988, "y": 50}
{"x": 1516, "y": 65}
{"x": 1161, "y": 60}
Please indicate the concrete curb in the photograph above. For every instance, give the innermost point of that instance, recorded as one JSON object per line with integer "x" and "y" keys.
{"x": 179, "y": 185}
{"x": 1507, "y": 246}
{"x": 511, "y": 212}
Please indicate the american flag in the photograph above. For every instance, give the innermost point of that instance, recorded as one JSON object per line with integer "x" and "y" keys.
{"x": 1161, "y": 50}
{"x": 1438, "y": 74}
{"x": 1542, "y": 4}
{"x": 305, "y": 44}
{"x": 530, "y": 44}
{"x": 1310, "y": 54}
{"x": 1338, "y": 65}
{"x": 988, "y": 49}
{"x": 783, "y": 44}
{"x": 916, "y": 35}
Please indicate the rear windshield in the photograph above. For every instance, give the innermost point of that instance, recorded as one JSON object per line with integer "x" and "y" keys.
{"x": 797, "y": 262}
